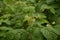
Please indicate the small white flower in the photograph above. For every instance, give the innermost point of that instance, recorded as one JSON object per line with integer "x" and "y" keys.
{"x": 53, "y": 22}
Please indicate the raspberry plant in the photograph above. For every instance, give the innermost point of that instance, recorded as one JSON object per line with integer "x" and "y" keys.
{"x": 29, "y": 19}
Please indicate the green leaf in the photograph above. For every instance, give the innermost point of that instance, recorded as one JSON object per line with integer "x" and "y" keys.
{"x": 33, "y": 1}
{"x": 18, "y": 34}
{"x": 36, "y": 34}
{"x": 56, "y": 29}
{"x": 49, "y": 1}
{"x": 49, "y": 34}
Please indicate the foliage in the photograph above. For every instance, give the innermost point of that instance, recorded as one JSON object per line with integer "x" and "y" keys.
{"x": 29, "y": 19}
